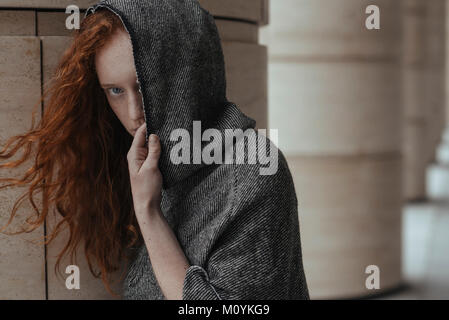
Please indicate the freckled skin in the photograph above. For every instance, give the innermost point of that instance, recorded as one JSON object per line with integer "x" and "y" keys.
{"x": 117, "y": 76}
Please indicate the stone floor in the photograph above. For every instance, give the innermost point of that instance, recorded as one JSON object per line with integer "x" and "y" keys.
{"x": 425, "y": 252}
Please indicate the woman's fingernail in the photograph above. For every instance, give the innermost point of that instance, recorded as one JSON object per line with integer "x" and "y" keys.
{"x": 153, "y": 138}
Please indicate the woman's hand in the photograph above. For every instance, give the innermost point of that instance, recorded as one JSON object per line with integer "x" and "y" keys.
{"x": 145, "y": 177}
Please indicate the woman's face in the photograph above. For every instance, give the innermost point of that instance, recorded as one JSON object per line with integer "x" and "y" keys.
{"x": 117, "y": 76}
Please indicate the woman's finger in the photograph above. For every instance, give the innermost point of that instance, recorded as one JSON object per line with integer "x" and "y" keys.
{"x": 139, "y": 137}
{"x": 154, "y": 152}
{"x": 138, "y": 151}
{"x": 138, "y": 144}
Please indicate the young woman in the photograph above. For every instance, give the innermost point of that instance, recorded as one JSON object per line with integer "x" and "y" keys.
{"x": 139, "y": 70}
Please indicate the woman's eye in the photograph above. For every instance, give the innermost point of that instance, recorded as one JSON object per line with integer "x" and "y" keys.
{"x": 115, "y": 91}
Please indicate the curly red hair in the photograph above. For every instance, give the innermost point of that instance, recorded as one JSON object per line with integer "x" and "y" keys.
{"x": 80, "y": 165}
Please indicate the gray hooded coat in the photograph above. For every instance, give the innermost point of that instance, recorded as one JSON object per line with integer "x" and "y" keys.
{"x": 238, "y": 228}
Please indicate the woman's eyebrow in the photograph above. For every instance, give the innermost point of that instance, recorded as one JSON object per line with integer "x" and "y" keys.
{"x": 114, "y": 85}
{"x": 109, "y": 85}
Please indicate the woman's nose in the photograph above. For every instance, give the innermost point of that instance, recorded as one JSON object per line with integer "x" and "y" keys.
{"x": 135, "y": 106}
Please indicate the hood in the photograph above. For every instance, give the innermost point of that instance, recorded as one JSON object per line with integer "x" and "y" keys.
{"x": 180, "y": 67}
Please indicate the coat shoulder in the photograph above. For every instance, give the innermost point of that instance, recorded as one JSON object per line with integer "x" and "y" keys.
{"x": 268, "y": 178}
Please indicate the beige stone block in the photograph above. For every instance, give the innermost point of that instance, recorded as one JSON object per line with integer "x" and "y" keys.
{"x": 246, "y": 73}
{"x": 17, "y": 23}
{"x": 237, "y": 31}
{"x": 249, "y": 10}
{"x": 52, "y": 24}
{"x": 350, "y": 218}
{"x": 22, "y": 259}
{"x": 52, "y": 49}
{"x": 21, "y": 82}
{"x": 91, "y": 288}
{"x": 336, "y": 108}
{"x": 50, "y": 4}
{"x": 323, "y": 29}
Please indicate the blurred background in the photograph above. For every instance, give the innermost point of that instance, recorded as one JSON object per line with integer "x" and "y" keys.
{"x": 361, "y": 116}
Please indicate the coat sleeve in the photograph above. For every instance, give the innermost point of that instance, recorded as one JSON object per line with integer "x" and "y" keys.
{"x": 258, "y": 255}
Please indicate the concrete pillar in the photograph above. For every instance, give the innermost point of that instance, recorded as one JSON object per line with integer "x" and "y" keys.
{"x": 424, "y": 95}
{"x": 435, "y": 73}
{"x": 417, "y": 124}
{"x": 443, "y": 149}
{"x": 335, "y": 99}
{"x": 438, "y": 173}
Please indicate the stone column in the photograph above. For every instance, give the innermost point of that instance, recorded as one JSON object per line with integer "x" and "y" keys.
{"x": 438, "y": 173}
{"x": 417, "y": 124}
{"x": 335, "y": 99}
{"x": 443, "y": 149}
{"x": 435, "y": 73}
